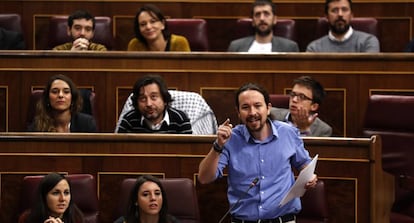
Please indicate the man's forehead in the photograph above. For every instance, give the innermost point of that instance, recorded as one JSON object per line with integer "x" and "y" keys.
{"x": 301, "y": 88}
{"x": 339, "y": 3}
{"x": 262, "y": 8}
{"x": 83, "y": 22}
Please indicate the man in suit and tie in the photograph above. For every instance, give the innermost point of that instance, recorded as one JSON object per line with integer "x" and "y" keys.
{"x": 263, "y": 20}
{"x": 305, "y": 98}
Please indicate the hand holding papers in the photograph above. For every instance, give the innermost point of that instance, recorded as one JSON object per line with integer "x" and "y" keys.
{"x": 298, "y": 189}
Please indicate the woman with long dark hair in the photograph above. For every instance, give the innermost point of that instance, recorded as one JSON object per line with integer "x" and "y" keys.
{"x": 147, "y": 203}
{"x": 59, "y": 108}
{"x": 53, "y": 203}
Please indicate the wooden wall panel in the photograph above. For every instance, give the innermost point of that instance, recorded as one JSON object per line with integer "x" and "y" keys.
{"x": 3, "y": 108}
{"x": 392, "y": 15}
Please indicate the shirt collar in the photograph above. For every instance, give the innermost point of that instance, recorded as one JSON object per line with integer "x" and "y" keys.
{"x": 166, "y": 119}
{"x": 346, "y": 36}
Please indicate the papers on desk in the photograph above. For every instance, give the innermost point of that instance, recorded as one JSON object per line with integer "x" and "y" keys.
{"x": 298, "y": 188}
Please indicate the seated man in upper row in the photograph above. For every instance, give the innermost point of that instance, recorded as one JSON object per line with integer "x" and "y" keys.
{"x": 305, "y": 98}
{"x": 81, "y": 28}
{"x": 341, "y": 36}
{"x": 152, "y": 112}
{"x": 263, "y": 20}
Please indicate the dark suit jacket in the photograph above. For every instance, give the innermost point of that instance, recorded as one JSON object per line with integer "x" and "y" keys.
{"x": 82, "y": 122}
{"x": 318, "y": 127}
{"x": 79, "y": 122}
{"x": 279, "y": 44}
{"x": 10, "y": 40}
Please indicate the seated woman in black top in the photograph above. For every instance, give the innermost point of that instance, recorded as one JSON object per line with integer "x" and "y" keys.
{"x": 147, "y": 203}
{"x": 59, "y": 109}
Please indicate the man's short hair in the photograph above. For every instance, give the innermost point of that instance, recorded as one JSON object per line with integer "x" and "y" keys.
{"x": 254, "y": 87}
{"x": 81, "y": 14}
{"x": 318, "y": 92}
{"x": 262, "y": 3}
{"x": 327, "y": 2}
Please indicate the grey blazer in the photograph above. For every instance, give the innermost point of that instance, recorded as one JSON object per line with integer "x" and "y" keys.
{"x": 318, "y": 127}
{"x": 279, "y": 44}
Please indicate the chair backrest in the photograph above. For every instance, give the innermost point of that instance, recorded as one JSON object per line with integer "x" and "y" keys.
{"x": 202, "y": 118}
{"x": 314, "y": 205}
{"x": 88, "y": 106}
{"x": 195, "y": 30}
{"x": 181, "y": 195}
{"x": 365, "y": 24}
{"x": 279, "y": 100}
{"x": 390, "y": 117}
{"x": 11, "y": 22}
{"x": 83, "y": 193}
{"x": 58, "y": 31}
{"x": 283, "y": 28}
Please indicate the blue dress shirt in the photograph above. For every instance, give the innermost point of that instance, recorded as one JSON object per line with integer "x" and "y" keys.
{"x": 270, "y": 160}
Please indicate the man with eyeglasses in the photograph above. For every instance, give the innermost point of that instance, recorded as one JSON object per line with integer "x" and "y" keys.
{"x": 305, "y": 98}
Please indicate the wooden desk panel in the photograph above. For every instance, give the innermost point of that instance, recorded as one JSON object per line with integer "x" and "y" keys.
{"x": 357, "y": 188}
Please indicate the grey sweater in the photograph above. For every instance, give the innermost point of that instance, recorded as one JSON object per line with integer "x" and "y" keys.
{"x": 358, "y": 42}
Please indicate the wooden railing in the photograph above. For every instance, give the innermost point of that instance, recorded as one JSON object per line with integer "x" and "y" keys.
{"x": 357, "y": 188}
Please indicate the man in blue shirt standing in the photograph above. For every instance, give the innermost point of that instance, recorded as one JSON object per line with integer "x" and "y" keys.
{"x": 257, "y": 148}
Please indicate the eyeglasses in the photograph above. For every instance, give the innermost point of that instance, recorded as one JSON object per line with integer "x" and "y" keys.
{"x": 300, "y": 96}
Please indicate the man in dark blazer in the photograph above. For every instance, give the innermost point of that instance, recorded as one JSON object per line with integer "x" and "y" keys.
{"x": 10, "y": 40}
{"x": 306, "y": 96}
{"x": 263, "y": 19}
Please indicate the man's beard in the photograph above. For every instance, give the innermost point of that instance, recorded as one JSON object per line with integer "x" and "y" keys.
{"x": 339, "y": 29}
{"x": 265, "y": 32}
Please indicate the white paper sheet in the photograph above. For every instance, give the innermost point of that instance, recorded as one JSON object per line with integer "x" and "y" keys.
{"x": 298, "y": 188}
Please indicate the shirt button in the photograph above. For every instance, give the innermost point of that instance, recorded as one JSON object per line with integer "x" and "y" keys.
{"x": 262, "y": 160}
{"x": 262, "y": 192}
{"x": 260, "y": 207}
{"x": 262, "y": 177}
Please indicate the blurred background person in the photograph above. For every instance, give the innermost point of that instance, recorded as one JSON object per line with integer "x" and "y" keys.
{"x": 152, "y": 34}
{"x": 341, "y": 36}
{"x": 81, "y": 27}
{"x": 263, "y": 20}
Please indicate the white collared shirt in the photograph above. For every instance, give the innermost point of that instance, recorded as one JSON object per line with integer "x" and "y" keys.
{"x": 152, "y": 126}
{"x": 260, "y": 47}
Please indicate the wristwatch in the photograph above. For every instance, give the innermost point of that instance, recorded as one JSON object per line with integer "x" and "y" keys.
{"x": 217, "y": 147}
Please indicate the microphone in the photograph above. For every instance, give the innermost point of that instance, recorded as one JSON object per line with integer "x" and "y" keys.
{"x": 254, "y": 183}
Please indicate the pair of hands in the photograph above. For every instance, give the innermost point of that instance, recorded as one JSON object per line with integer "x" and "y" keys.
{"x": 53, "y": 220}
{"x": 304, "y": 119}
{"x": 80, "y": 44}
